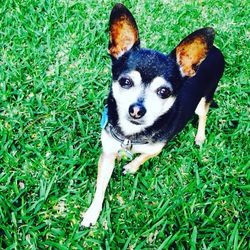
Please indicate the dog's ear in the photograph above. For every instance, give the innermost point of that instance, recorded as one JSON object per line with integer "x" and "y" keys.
{"x": 192, "y": 50}
{"x": 123, "y": 31}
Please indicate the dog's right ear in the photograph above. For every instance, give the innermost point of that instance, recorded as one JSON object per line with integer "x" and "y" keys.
{"x": 192, "y": 50}
{"x": 123, "y": 31}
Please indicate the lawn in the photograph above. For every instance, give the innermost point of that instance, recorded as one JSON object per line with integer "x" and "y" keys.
{"x": 54, "y": 77}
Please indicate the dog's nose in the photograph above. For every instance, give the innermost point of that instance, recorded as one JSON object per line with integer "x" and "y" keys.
{"x": 137, "y": 111}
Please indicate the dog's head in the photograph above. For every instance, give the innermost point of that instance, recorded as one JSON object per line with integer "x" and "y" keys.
{"x": 146, "y": 82}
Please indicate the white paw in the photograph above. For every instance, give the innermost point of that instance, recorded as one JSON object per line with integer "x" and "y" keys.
{"x": 199, "y": 140}
{"x": 90, "y": 217}
{"x": 128, "y": 169}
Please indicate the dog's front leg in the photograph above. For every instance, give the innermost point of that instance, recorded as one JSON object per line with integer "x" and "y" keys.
{"x": 134, "y": 165}
{"x": 105, "y": 168}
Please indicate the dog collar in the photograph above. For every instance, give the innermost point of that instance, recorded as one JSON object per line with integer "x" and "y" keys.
{"x": 133, "y": 140}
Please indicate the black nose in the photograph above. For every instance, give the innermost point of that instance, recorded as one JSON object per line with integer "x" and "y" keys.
{"x": 137, "y": 111}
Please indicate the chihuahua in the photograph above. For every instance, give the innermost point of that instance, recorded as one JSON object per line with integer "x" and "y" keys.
{"x": 152, "y": 97}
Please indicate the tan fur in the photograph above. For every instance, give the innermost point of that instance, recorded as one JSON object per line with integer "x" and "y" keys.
{"x": 134, "y": 165}
{"x": 190, "y": 53}
{"x": 123, "y": 35}
{"x": 201, "y": 111}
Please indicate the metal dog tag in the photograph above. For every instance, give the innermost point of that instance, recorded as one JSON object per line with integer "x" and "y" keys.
{"x": 125, "y": 152}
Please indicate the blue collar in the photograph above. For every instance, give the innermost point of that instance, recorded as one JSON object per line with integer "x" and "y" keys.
{"x": 105, "y": 119}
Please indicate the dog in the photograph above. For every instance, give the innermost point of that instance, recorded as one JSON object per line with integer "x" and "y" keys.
{"x": 152, "y": 97}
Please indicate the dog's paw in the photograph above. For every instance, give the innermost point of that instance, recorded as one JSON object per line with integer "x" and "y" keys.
{"x": 199, "y": 140}
{"x": 87, "y": 221}
{"x": 128, "y": 169}
{"x": 90, "y": 218}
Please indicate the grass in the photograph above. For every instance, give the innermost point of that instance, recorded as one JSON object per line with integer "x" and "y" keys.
{"x": 54, "y": 77}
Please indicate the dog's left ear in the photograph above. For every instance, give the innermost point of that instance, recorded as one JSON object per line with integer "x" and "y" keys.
{"x": 123, "y": 31}
{"x": 192, "y": 50}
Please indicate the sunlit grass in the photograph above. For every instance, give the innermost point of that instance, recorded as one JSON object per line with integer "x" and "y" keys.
{"x": 54, "y": 76}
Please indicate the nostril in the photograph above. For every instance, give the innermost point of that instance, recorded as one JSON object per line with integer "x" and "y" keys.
{"x": 137, "y": 111}
{"x": 131, "y": 110}
{"x": 142, "y": 112}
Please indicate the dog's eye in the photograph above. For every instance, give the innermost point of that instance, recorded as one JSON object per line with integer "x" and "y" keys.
{"x": 163, "y": 92}
{"x": 126, "y": 83}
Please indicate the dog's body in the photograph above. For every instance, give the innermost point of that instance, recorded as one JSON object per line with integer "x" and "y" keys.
{"x": 152, "y": 98}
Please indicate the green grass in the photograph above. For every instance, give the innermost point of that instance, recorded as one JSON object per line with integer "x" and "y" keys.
{"x": 54, "y": 77}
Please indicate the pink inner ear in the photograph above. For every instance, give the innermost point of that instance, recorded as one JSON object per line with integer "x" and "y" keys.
{"x": 190, "y": 53}
{"x": 123, "y": 35}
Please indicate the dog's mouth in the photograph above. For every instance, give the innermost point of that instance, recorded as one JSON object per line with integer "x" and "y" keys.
{"x": 136, "y": 122}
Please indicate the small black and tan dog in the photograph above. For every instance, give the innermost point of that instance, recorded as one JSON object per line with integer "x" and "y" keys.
{"x": 152, "y": 97}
